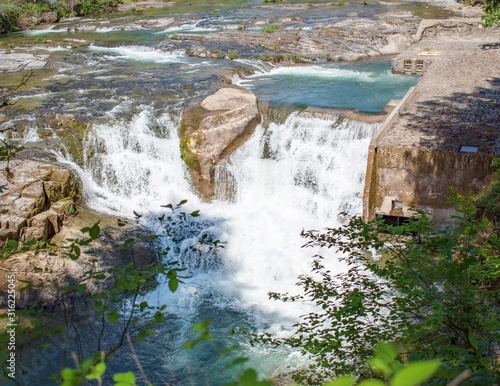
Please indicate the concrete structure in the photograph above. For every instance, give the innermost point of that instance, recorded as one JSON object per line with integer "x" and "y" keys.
{"x": 445, "y": 131}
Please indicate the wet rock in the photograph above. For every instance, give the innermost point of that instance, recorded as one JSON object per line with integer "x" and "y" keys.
{"x": 211, "y": 131}
{"x": 350, "y": 39}
{"x": 20, "y": 61}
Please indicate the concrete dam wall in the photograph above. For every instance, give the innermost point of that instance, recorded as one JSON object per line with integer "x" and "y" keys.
{"x": 445, "y": 131}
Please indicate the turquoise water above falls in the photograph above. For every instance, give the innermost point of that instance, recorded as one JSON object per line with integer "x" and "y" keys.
{"x": 366, "y": 87}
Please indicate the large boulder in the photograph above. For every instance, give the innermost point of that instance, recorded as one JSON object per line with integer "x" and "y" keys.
{"x": 211, "y": 131}
{"x": 45, "y": 272}
{"x": 35, "y": 199}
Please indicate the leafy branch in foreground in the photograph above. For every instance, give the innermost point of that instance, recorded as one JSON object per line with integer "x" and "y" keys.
{"x": 433, "y": 291}
{"x": 112, "y": 292}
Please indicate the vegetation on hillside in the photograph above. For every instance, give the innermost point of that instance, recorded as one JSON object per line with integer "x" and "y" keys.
{"x": 14, "y": 14}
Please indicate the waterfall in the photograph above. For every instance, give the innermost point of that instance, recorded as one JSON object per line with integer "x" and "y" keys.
{"x": 297, "y": 175}
{"x": 292, "y": 176}
{"x": 135, "y": 165}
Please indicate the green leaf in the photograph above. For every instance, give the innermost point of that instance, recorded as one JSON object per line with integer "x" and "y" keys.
{"x": 140, "y": 336}
{"x": 189, "y": 345}
{"x": 415, "y": 373}
{"x": 380, "y": 366}
{"x": 97, "y": 371}
{"x": 386, "y": 352}
{"x": 200, "y": 327}
{"x": 343, "y": 381}
{"x": 196, "y": 213}
{"x": 100, "y": 368}
{"x": 95, "y": 231}
{"x": 129, "y": 241}
{"x": 173, "y": 284}
{"x": 372, "y": 382}
{"x": 80, "y": 288}
{"x": 76, "y": 250}
{"x": 68, "y": 374}
{"x": 113, "y": 317}
{"x": 159, "y": 317}
{"x": 35, "y": 322}
{"x": 124, "y": 379}
{"x": 12, "y": 243}
{"x": 249, "y": 378}
{"x": 238, "y": 360}
{"x": 472, "y": 340}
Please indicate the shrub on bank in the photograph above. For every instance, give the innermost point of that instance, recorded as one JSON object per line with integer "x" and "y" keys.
{"x": 17, "y": 14}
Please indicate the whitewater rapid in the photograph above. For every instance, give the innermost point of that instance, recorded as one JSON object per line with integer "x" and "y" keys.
{"x": 292, "y": 176}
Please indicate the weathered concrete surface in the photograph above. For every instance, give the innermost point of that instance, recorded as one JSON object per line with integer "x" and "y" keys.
{"x": 212, "y": 131}
{"x": 457, "y": 102}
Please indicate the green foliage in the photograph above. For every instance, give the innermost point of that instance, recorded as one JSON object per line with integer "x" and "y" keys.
{"x": 491, "y": 9}
{"x": 113, "y": 296}
{"x": 248, "y": 377}
{"x": 489, "y": 202}
{"x": 96, "y": 7}
{"x": 271, "y": 28}
{"x": 492, "y": 13}
{"x": 387, "y": 366}
{"x": 232, "y": 55}
{"x": 9, "y": 14}
{"x": 13, "y": 12}
{"x": 88, "y": 370}
{"x": 266, "y": 58}
{"x": 124, "y": 379}
{"x": 432, "y": 291}
{"x": 188, "y": 155}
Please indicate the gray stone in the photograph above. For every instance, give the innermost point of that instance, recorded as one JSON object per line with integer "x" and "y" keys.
{"x": 27, "y": 202}
{"x": 21, "y": 61}
{"x": 228, "y": 117}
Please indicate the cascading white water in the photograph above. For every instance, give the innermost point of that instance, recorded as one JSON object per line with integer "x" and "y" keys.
{"x": 297, "y": 175}
{"x": 134, "y": 166}
{"x": 292, "y": 176}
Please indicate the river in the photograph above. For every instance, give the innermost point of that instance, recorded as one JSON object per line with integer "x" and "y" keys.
{"x": 300, "y": 172}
